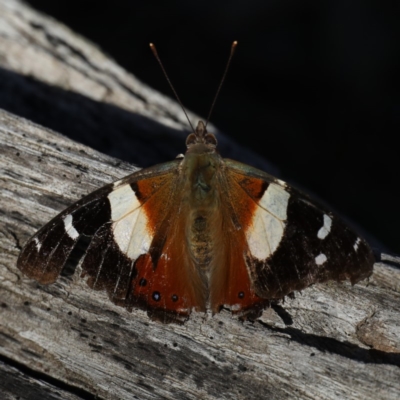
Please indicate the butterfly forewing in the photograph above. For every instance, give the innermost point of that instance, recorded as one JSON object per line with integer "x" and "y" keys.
{"x": 291, "y": 242}
{"x": 45, "y": 254}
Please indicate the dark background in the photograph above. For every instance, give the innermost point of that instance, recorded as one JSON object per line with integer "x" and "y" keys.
{"x": 313, "y": 86}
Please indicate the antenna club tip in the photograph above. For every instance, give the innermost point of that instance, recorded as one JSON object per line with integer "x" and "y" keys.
{"x": 153, "y": 49}
{"x": 233, "y": 48}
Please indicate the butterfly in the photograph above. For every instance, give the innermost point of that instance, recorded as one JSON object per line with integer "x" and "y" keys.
{"x": 199, "y": 233}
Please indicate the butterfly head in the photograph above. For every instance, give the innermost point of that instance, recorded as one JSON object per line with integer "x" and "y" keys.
{"x": 201, "y": 140}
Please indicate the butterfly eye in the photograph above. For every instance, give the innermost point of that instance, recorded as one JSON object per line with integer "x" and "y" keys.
{"x": 191, "y": 140}
{"x": 210, "y": 139}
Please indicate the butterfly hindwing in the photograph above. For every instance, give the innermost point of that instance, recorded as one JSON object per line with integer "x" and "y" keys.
{"x": 165, "y": 281}
{"x": 230, "y": 280}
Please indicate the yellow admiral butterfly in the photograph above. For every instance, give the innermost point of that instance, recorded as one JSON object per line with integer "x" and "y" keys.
{"x": 200, "y": 232}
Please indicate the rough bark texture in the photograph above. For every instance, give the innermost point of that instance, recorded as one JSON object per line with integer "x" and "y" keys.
{"x": 65, "y": 341}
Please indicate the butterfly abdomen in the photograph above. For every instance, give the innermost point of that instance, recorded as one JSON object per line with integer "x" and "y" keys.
{"x": 202, "y": 201}
{"x": 200, "y": 241}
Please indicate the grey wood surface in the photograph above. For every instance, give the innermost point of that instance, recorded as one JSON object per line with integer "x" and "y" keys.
{"x": 65, "y": 341}
{"x": 332, "y": 341}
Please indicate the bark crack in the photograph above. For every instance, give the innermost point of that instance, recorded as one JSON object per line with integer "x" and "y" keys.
{"x": 17, "y": 242}
{"x": 57, "y": 383}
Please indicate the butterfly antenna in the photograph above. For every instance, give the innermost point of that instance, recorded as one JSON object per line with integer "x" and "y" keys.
{"x": 154, "y": 50}
{"x": 233, "y": 48}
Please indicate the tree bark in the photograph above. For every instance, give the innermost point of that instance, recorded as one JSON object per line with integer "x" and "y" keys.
{"x": 64, "y": 340}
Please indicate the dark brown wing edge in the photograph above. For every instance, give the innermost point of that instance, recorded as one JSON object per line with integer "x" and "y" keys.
{"x": 46, "y": 252}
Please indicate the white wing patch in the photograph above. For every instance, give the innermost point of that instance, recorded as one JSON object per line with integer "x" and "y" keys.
{"x": 268, "y": 224}
{"x": 37, "y": 244}
{"x": 321, "y": 259}
{"x": 326, "y": 228}
{"x": 123, "y": 201}
{"x": 131, "y": 234}
{"x": 282, "y": 183}
{"x": 69, "y": 228}
{"x": 275, "y": 201}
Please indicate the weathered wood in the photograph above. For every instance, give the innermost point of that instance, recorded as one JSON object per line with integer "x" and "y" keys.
{"x": 332, "y": 341}
{"x": 58, "y": 79}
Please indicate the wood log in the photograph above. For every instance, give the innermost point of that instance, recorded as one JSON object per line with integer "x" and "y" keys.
{"x": 332, "y": 341}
